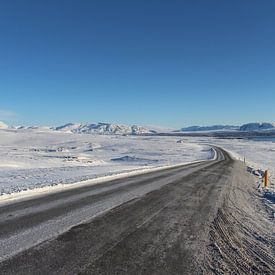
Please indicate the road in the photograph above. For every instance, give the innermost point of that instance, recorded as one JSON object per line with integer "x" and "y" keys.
{"x": 155, "y": 223}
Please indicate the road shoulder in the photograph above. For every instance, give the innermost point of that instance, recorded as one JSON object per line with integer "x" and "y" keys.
{"x": 241, "y": 239}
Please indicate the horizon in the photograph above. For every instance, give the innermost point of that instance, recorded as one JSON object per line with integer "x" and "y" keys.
{"x": 142, "y": 125}
{"x": 145, "y": 63}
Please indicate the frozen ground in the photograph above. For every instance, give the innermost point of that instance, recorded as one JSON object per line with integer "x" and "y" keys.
{"x": 31, "y": 159}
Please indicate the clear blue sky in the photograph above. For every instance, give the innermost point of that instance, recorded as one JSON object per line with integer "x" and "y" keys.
{"x": 170, "y": 63}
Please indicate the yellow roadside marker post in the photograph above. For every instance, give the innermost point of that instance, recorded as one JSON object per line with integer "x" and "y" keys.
{"x": 266, "y": 179}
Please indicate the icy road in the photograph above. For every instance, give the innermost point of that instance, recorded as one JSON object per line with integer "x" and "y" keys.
{"x": 155, "y": 223}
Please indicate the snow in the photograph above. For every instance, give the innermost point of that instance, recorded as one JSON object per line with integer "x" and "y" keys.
{"x": 41, "y": 157}
{"x": 248, "y": 127}
{"x": 104, "y": 128}
{"x": 257, "y": 126}
{"x": 210, "y": 128}
{"x": 258, "y": 154}
{"x": 35, "y": 158}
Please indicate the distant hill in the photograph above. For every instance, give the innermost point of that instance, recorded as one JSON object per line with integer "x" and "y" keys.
{"x": 104, "y": 128}
{"x": 121, "y": 129}
{"x": 249, "y": 127}
{"x": 210, "y": 128}
{"x": 35, "y": 128}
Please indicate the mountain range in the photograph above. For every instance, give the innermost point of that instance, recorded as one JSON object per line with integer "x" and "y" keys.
{"x": 120, "y": 129}
{"x": 105, "y": 128}
{"x": 210, "y": 128}
{"x": 249, "y": 127}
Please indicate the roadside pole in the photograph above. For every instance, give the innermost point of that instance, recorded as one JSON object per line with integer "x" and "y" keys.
{"x": 266, "y": 179}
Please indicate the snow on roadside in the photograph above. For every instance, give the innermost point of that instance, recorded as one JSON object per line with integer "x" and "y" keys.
{"x": 34, "y": 159}
{"x": 258, "y": 154}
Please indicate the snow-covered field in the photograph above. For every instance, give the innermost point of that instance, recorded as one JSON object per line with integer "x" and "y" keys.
{"x": 32, "y": 159}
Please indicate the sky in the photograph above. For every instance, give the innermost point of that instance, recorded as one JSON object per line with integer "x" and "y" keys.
{"x": 169, "y": 63}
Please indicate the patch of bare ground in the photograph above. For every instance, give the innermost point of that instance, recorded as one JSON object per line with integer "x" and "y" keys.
{"x": 242, "y": 236}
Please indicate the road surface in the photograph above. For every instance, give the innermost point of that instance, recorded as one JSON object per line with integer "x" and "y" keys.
{"x": 155, "y": 223}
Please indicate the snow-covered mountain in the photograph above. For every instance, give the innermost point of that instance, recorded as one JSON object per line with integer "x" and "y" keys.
{"x": 35, "y": 128}
{"x": 121, "y": 129}
{"x": 69, "y": 127}
{"x": 210, "y": 128}
{"x": 104, "y": 128}
{"x": 249, "y": 127}
{"x": 3, "y": 125}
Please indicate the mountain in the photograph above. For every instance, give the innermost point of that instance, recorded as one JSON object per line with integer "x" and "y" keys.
{"x": 249, "y": 127}
{"x": 3, "y": 125}
{"x": 35, "y": 128}
{"x": 210, "y": 128}
{"x": 69, "y": 127}
{"x": 121, "y": 129}
{"x": 104, "y": 128}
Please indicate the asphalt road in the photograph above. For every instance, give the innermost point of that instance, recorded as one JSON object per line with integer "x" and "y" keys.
{"x": 156, "y": 223}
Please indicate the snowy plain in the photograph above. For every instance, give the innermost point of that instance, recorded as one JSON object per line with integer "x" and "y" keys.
{"x": 31, "y": 159}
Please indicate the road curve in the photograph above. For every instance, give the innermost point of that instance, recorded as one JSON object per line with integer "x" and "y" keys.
{"x": 156, "y": 223}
